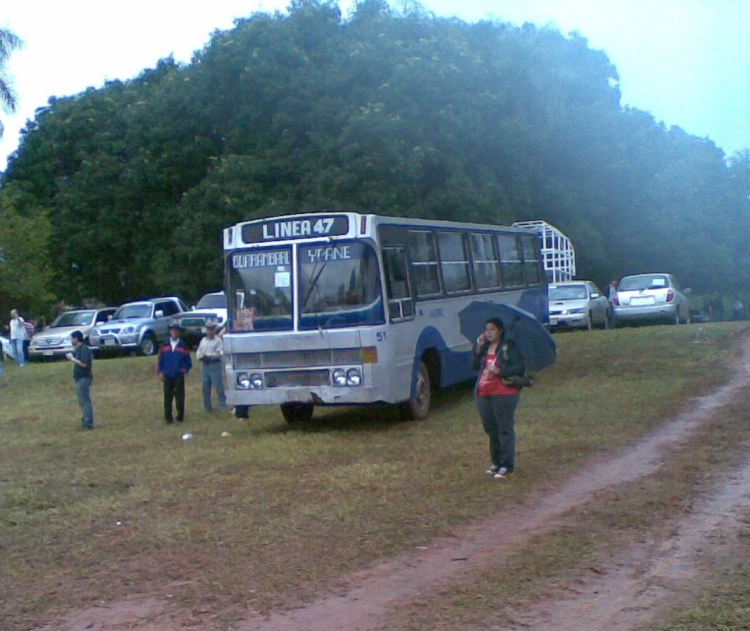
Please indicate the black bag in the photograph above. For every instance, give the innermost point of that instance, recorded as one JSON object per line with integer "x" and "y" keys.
{"x": 519, "y": 381}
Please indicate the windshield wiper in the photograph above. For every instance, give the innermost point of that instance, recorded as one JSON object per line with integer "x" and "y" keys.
{"x": 313, "y": 284}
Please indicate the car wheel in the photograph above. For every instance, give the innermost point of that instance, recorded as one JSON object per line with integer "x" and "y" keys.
{"x": 676, "y": 319}
{"x": 296, "y": 413}
{"x": 607, "y": 324}
{"x": 589, "y": 322}
{"x": 419, "y": 404}
{"x": 147, "y": 346}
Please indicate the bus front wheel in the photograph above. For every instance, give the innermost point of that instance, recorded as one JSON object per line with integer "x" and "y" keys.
{"x": 295, "y": 413}
{"x": 419, "y": 404}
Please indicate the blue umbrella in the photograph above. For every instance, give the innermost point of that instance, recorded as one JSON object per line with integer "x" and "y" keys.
{"x": 533, "y": 340}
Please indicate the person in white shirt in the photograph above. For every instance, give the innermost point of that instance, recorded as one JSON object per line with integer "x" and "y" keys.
{"x": 210, "y": 352}
{"x": 17, "y": 337}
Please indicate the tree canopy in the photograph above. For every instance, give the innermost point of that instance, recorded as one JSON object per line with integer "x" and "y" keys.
{"x": 396, "y": 113}
{"x": 9, "y": 42}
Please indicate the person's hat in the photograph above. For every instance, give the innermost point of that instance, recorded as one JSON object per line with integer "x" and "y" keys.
{"x": 212, "y": 324}
{"x": 176, "y": 325}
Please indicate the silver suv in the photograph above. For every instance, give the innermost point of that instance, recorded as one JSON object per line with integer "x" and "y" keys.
{"x": 644, "y": 297}
{"x": 139, "y": 326}
{"x": 54, "y": 340}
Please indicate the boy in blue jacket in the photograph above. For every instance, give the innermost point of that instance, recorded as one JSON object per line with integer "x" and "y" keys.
{"x": 174, "y": 364}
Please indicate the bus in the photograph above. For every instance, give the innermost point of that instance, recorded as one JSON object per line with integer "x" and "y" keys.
{"x": 343, "y": 308}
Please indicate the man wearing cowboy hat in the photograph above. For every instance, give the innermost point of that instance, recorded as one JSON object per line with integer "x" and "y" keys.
{"x": 174, "y": 364}
{"x": 209, "y": 353}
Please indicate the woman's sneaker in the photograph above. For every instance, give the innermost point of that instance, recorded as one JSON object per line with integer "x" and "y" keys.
{"x": 501, "y": 472}
{"x": 492, "y": 469}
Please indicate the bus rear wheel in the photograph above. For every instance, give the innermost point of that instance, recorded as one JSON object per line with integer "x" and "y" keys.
{"x": 419, "y": 404}
{"x": 295, "y": 413}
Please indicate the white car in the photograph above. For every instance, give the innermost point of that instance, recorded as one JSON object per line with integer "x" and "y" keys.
{"x": 54, "y": 340}
{"x": 215, "y": 303}
{"x": 658, "y": 296}
{"x": 577, "y": 304}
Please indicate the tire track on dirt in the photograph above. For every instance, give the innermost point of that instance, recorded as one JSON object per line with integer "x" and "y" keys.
{"x": 372, "y": 593}
{"x": 647, "y": 577}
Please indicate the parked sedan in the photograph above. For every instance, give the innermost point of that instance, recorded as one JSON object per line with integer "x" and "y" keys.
{"x": 649, "y": 297}
{"x": 577, "y": 305}
{"x": 54, "y": 340}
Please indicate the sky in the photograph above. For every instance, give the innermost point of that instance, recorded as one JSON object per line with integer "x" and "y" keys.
{"x": 684, "y": 61}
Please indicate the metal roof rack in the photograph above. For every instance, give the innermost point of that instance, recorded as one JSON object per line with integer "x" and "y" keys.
{"x": 558, "y": 253}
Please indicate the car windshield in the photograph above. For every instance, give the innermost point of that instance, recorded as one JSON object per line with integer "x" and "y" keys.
{"x": 640, "y": 283}
{"x": 567, "y": 292}
{"x": 130, "y": 312}
{"x": 73, "y": 318}
{"x": 212, "y": 301}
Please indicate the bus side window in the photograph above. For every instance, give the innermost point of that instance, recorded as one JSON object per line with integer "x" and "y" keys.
{"x": 400, "y": 305}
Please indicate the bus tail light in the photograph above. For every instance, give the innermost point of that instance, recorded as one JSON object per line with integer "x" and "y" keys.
{"x": 370, "y": 355}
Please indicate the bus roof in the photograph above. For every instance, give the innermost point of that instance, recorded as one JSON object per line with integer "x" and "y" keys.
{"x": 325, "y": 225}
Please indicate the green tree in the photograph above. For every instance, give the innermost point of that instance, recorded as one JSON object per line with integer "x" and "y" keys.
{"x": 9, "y": 42}
{"x": 25, "y": 266}
{"x": 396, "y": 113}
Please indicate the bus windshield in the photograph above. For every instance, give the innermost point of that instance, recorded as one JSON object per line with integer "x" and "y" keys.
{"x": 339, "y": 285}
{"x": 259, "y": 289}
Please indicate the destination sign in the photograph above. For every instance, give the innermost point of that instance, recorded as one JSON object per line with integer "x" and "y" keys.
{"x": 296, "y": 227}
{"x": 319, "y": 255}
{"x": 261, "y": 259}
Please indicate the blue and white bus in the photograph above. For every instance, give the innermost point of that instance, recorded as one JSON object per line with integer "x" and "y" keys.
{"x": 342, "y": 308}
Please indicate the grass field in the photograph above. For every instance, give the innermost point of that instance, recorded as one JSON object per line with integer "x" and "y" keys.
{"x": 255, "y": 514}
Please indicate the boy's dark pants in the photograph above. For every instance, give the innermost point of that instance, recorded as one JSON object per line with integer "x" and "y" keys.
{"x": 174, "y": 388}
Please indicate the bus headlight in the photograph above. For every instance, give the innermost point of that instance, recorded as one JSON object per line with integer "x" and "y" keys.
{"x": 353, "y": 377}
{"x": 249, "y": 381}
{"x": 339, "y": 377}
{"x": 243, "y": 380}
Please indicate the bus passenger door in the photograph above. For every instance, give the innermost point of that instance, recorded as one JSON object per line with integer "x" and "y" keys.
{"x": 398, "y": 287}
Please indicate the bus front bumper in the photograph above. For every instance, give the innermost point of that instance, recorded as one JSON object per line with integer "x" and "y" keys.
{"x": 319, "y": 395}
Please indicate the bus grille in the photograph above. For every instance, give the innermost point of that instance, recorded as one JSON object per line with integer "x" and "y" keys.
{"x": 293, "y": 378}
{"x": 298, "y": 359}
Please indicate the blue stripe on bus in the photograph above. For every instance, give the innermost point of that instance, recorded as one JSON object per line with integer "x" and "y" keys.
{"x": 455, "y": 367}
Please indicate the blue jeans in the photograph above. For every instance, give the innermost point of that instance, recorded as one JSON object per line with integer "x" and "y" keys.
{"x": 497, "y": 419}
{"x": 18, "y": 354}
{"x": 83, "y": 387}
{"x": 212, "y": 377}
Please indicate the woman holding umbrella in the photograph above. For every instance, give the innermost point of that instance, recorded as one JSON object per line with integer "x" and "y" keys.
{"x": 496, "y": 359}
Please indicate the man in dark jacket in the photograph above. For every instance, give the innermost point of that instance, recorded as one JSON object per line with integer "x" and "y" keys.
{"x": 174, "y": 364}
{"x": 83, "y": 376}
